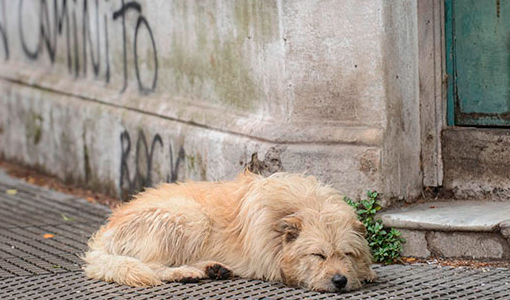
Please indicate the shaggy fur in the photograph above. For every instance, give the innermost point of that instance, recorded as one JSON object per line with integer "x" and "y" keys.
{"x": 287, "y": 228}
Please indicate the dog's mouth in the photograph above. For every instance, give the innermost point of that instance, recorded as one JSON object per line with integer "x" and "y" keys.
{"x": 331, "y": 289}
{"x": 332, "y": 285}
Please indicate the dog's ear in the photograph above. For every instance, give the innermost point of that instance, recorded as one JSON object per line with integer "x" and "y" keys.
{"x": 359, "y": 227}
{"x": 289, "y": 227}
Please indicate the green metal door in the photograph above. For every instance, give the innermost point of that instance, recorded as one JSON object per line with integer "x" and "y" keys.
{"x": 478, "y": 62}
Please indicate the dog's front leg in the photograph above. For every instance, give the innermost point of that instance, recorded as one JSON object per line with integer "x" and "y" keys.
{"x": 214, "y": 270}
{"x": 183, "y": 274}
{"x": 193, "y": 273}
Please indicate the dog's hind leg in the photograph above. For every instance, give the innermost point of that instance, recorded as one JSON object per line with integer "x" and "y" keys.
{"x": 133, "y": 272}
{"x": 119, "y": 268}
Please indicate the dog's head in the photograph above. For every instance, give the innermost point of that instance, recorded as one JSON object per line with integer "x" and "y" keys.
{"x": 323, "y": 244}
{"x": 324, "y": 251}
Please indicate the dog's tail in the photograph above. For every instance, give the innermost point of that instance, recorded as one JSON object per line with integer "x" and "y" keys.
{"x": 118, "y": 268}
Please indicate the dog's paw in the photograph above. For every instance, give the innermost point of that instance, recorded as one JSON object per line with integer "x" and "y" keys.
{"x": 372, "y": 276}
{"x": 189, "y": 280}
{"x": 218, "y": 271}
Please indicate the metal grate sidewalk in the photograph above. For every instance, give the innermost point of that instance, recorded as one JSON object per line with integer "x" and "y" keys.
{"x": 34, "y": 267}
{"x": 401, "y": 282}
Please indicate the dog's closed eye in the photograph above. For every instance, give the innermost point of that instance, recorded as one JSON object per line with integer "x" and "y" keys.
{"x": 319, "y": 255}
{"x": 350, "y": 254}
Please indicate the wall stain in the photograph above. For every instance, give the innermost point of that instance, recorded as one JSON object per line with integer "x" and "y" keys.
{"x": 223, "y": 71}
{"x": 269, "y": 165}
{"x": 86, "y": 158}
{"x": 33, "y": 126}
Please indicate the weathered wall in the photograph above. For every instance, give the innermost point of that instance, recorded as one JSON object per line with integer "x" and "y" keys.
{"x": 119, "y": 94}
{"x": 478, "y": 169}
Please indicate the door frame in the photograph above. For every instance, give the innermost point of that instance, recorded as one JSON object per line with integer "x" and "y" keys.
{"x": 432, "y": 87}
{"x": 449, "y": 63}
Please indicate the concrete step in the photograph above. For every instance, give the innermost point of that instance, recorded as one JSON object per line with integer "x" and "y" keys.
{"x": 453, "y": 229}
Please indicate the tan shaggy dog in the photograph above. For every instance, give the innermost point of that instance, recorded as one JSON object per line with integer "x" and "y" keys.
{"x": 287, "y": 228}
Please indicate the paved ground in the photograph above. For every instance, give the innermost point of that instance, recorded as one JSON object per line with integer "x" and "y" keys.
{"x": 34, "y": 265}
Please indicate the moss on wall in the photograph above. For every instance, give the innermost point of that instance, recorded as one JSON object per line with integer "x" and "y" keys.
{"x": 33, "y": 127}
{"x": 213, "y": 60}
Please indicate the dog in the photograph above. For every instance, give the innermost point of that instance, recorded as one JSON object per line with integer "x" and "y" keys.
{"x": 288, "y": 228}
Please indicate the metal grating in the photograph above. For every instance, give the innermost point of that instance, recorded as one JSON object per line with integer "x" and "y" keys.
{"x": 402, "y": 282}
{"x": 32, "y": 267}
{"x": 30, "y": 213}
{"x": 32, "y": 208}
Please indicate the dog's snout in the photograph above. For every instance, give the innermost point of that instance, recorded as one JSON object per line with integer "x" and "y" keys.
{"x": 339, "y": 281}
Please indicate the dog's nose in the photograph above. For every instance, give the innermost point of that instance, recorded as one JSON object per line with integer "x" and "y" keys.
{"x": 339, "y": 281}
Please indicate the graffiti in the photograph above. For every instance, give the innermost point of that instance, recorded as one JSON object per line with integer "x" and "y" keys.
{"x": 85, "y": 45}
{"x": 51, "y": 29}
{"x": 3, "y": 30}
{"x": 174, "y": 168}
{"x": 87, "y": 39}
{"x": 132, "y": 5}
{"x": 131, "y": 184}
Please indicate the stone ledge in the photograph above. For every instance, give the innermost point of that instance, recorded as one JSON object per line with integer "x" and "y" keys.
{"x": 455, "y": 229}
{"x": 115, "y": 150}
{"x": 449, "y": 216}
{"x": 255, "y": 125}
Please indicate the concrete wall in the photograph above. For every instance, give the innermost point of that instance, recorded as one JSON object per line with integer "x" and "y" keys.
{"x": 479, "y": 169}
{"x": 120, "y": 94}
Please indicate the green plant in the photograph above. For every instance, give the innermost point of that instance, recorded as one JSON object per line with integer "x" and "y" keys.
{"x": 385, "y": 243}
